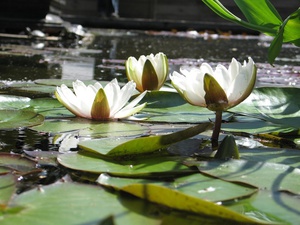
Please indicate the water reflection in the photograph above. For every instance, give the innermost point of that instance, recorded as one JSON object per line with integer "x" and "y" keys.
{"x": 103, "y": 58}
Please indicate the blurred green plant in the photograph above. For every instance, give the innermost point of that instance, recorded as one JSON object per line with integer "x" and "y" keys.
{"x": 262, "y": 16}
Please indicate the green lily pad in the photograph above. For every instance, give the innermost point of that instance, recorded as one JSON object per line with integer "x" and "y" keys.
{"x": 255, "y": 126}
{"x": 172, "y": 108}
{"x": 50, "y": 108}
{"x": 12, "y": 119}
{"x": 16, "y": 162}
{"x": 86, "y": 127}
{"x": 32, "y": 90}
{"x": 7, "y": 189}
{"x": 196, "y": 185}
{"x": 265, "y": 175}
{"x": 13, "y": 102}
{"x": 67, "y": 203}
{"x": 148, "y": 167}
{"x": 166, "y": 196}
{"x": 278, "y": 186}
{"x": 130, "y": 148}
{"x": 290, "y": 157}
{"x": 275, "y": 105}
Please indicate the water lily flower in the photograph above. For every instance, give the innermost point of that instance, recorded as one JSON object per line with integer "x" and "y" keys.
{"x": 100, "y": 103}
{"x": 148, "y": 72}
{"x": 218, "y": 89}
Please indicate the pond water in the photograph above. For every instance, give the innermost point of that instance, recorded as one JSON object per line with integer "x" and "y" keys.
{"x": 102, "y": 57}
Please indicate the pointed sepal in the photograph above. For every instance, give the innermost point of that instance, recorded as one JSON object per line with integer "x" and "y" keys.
{"x": 100, "y": 108}
{"x": 215, "y": 97}
{"x": 149, "y": 77}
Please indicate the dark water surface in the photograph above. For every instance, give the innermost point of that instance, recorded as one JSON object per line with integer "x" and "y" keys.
{"x": 103, "y": 56}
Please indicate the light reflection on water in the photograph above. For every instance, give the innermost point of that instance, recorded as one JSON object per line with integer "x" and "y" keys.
{"x": 104, "y": 57}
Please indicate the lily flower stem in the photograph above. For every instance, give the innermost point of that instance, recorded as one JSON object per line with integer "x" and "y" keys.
{"x": 216, "y": 131}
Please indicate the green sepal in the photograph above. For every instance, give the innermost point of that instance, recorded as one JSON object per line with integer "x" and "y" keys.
{"x": 149, "y": 77}
{"x": 215, "y": 97}
{"x": 100, "y": 108}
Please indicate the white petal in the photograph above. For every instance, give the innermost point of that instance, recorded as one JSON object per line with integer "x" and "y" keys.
{"x": 234, "y": 68}
{"x": 71, "y": 102}
{"x": 129, "y": 112}
{"x": 135, "y": 101}
{"x": 190, "y": 85}
{"x": 85, "y": 96}
{"x": 240, "y": 86}
{"x": 112, "y": 90}
{"x": 178, "y": 80}
{"x": 206, "y": 68}
{"x": 223, "y": 77}
{"x": 123, "y": 96}
{"x": 129, "y": 109}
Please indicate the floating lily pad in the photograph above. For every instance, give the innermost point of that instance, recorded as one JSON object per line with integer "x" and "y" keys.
{"x": 32, "y": 90}
{"x": 166, "y": 196}
{"x": 13, "y": 102}
{"x": 290, "y": 157}
{"x": 86, "y": 127}
{"x": 171, "y": 107}
{"x": 16, "y": 162}
{"x": 12, "y": 119}
{"x": 268, "y": 176}
{"x": 278, "y": 186}
{"x": 275, "y": 105}
{"x": 131, "y": 148}
{"x": 69, "y": 204}
{"x": 148, "y": 167}
{"x": 196, "y": 185}
{"x": 255, "y": 126}
{"x": 50, "y": 108}
{"x": 7, "y": 189}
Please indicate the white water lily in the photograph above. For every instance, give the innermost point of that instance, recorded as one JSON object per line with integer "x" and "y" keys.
{"x": 148, "y": 72}
{"x": 219, "y": 89}
{"x": 100, "y": 103}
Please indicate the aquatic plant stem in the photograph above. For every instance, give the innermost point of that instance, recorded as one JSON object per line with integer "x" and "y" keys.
{"x": 216, "y": 131}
